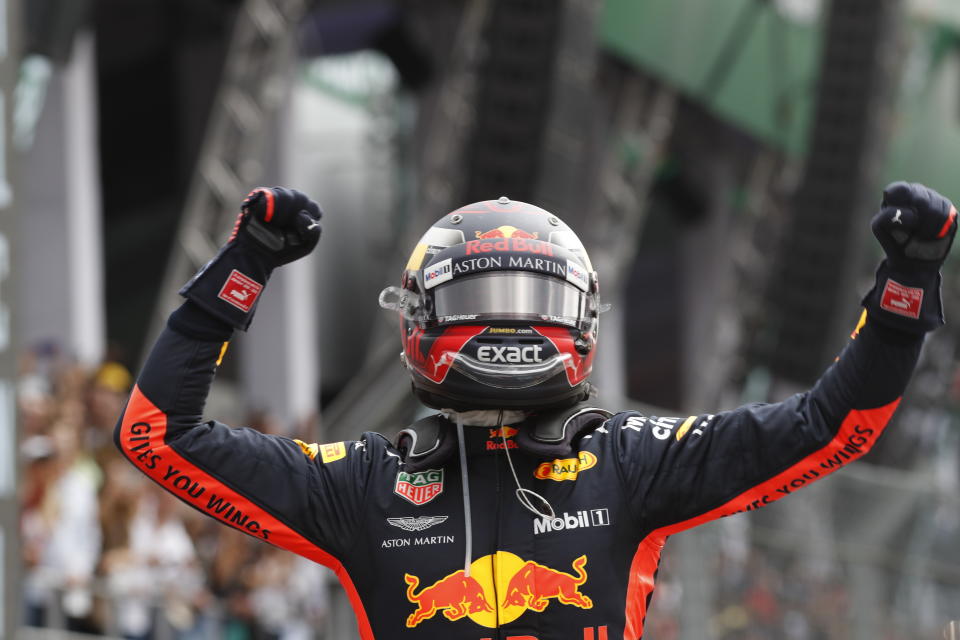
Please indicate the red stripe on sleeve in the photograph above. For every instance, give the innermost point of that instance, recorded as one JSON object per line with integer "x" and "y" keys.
{"x": 642, "y": 570}
{"x": 857, "y": 434}
{"x": 142, "y": 440}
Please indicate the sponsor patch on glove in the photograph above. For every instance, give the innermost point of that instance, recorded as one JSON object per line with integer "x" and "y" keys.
{"x": 900, "y": 299}
{"x": 240, "y": 291}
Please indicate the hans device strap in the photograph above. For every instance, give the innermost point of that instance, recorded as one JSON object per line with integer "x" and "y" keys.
{"x": 430, "y": 442}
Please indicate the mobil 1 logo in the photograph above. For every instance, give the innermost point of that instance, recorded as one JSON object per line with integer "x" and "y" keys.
{"x": 577, "y": 520}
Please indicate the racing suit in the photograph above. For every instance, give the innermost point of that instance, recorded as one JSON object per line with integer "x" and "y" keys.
{"x": 396, "y": 539}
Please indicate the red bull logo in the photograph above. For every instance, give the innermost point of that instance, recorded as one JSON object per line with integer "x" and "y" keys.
{"x": 503, "y": 432}
{"x": 508, "y": 238}
{"x": 500, "y": 438}
{"x": 457, "y": 595}
{"x": 505, "y": 231}
{"x": 535, "y": 584}
{"x": 526, "y": 585}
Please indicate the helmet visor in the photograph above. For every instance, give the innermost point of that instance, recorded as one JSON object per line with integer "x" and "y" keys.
{"x": 509, "y": 295}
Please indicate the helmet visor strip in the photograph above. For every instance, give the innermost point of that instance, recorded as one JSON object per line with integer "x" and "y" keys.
{"x": 506, "y": 296}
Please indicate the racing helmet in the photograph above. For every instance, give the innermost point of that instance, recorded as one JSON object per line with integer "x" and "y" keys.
{"x": 499, "y": 308}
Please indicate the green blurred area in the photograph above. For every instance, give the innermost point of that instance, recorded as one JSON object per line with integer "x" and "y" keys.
{"x": 754, "y": 64}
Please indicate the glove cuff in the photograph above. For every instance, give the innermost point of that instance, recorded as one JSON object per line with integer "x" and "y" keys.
{"x": 229, "y": 286}
{"x": 905, "y": 300}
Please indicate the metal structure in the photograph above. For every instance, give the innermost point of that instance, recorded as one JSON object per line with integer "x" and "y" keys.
{"x": 237, "y": 139}
{"x": 824, "y": 241}
{"x": 9, "y": 506}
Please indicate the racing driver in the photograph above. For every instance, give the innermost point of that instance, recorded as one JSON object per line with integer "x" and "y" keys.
{"x": 516, "y": 510}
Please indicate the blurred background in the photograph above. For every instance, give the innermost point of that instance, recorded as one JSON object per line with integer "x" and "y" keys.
{"x": 720, "y": 161}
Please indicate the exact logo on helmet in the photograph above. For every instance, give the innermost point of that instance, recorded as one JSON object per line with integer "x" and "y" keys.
{"x": 510, "y": 354}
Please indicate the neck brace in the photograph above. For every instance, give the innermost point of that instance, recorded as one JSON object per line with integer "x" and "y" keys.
{"x": 430, "y": 442}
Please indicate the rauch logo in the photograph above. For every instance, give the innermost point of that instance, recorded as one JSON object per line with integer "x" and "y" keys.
{"x": 566, "y": 469}
{"x": 420, "y": 487}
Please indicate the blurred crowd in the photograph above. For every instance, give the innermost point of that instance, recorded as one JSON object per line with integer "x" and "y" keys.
{"x": 106, "y": 551}
{"x": 764, "y": 596}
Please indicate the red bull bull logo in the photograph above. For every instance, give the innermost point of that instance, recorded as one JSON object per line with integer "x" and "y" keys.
{"x": 526, "y": 585}
{"x": 535, "y": 584}
{"x": 456, "y": 595}
{"x": 503, "y": 432}
{"x": 500, "y": 438}
{"x": 506, "y": 231}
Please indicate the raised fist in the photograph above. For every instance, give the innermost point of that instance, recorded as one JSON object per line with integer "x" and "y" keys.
{"x": 915, "y": 226}
{"x": 284, "y": 223}
{"x": 275, "y": 226}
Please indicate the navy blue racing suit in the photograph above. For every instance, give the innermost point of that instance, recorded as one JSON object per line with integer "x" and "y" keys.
{"x": 396, "y": 539}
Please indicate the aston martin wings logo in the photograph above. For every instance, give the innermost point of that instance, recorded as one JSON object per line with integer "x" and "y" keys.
{"x": 416, "y": 524}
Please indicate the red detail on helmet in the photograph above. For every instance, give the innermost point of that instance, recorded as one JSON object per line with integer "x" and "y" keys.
{"x": 411, "y": 346}
{"x": 436, "y": 364}
{"x": 578, "y": 366}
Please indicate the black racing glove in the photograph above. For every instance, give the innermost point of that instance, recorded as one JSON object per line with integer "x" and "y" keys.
{"x": 275, "y": 226}
{"x": 915, "y": 227}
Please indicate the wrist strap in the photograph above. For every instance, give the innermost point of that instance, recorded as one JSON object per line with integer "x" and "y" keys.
{"x": 905, "y": 300}
{"x": 229, "y": 286}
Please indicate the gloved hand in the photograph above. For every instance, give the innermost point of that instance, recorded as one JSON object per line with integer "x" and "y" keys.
{"x": 915, "y": 227}
{"x": 275, "y": 226}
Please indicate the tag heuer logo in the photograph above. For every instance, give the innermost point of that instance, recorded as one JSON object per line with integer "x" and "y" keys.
{"x": 420, "y": 487}
{"x": 416, "y": 524}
